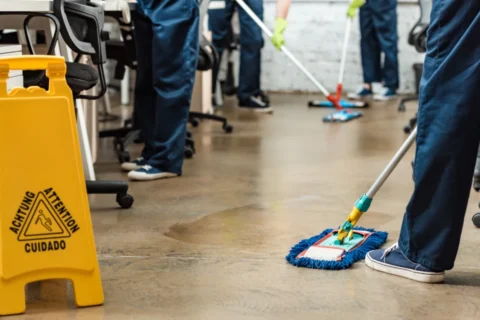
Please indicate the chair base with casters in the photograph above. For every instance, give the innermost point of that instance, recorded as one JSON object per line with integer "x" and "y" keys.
{"x": 401, "y": 105}
{"x": 80, "y": 77}
{"x": 108, "y": 187}
{"x": 411, "y": 124}
{"x": 194, "y": 117}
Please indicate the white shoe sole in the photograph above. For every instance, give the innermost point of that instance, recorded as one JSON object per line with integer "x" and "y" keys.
{"x": 258, "y": 110}
{"x": 264, "y": 110}
{"x": 356, "y": 97}
{"x": 382, "y": 98}
{"x": 129, "y": 166}
{"x": 142, "y": 176}
{"x": 426, "y": 277}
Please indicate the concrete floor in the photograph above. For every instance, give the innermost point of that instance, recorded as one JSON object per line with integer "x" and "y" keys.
{"x": 211, "y": 244}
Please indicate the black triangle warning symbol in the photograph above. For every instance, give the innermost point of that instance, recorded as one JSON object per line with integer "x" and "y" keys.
{"x": 43, "y": 222}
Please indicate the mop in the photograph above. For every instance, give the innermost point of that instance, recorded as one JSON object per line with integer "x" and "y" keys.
{"x": 338, "y": 95}
{"x": 341, "y": 115}
{"x": 339, "y": 249}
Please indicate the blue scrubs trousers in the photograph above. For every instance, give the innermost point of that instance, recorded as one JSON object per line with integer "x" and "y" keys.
{"x": 251, "y": 42}
{"x": 448, "y": 135}
{"x": 378, "y": 29}
{"x": 167, "y": 35}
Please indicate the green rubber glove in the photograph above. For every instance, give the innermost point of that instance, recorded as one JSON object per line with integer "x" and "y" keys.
{"x": 277, "y": 39}
{"x": 353, "y": 7}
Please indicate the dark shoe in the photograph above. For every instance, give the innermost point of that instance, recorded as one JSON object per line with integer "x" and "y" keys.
{"x": 362, "y": 93}
{"x": 256, "y": 104}
{"x": 134, "y": 165}
{"x": 393, "y": 261}
{"x": 386, "y": 95}
{"x": 264, "y": 97}
{"x": 148, "y": 173}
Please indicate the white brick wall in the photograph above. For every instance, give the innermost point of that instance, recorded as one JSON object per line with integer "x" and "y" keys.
{"x": 315, "y": 35}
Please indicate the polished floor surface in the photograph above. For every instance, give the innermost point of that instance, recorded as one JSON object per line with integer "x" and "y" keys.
{"x": 211, "y": 244}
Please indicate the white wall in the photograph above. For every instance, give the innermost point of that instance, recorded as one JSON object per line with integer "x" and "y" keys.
{"x": 315, "y": 35}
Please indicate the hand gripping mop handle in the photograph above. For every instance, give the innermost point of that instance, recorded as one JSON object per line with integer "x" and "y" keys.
{"x": 287, "y": 52}
{"x": 364, "y": 202}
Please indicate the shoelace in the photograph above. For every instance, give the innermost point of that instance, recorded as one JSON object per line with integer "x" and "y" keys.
{"x": 388, "y": 250}
{"x": 147, "y": 167}
{"x": 140, "y": 159}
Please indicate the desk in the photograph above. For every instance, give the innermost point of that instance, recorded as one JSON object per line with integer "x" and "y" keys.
{"x": 88, "y": 131}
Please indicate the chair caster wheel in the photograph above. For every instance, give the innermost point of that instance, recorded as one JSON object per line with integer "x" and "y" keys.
{"x": 407, "y": 129}
{"x": 194, "y": 122}
{"x": 401, "y": 107}
{"x": 124, "y": 157}
{"x": 228, "y": 128}
{"x": 476, "y": 184}
{"x": 476, "y": 220}
{"x": 189, "y": 135}
{"x": 188, "y": 153}
{"x": 125, "y": 200}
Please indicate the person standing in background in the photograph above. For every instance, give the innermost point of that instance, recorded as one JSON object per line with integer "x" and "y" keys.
{"x": 167, "y": 38}
{"x": 251, "y": 43}
{"x": 378, "y": 28}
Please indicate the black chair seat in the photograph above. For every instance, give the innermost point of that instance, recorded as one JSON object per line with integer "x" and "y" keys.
{"x": 80, "y": 77}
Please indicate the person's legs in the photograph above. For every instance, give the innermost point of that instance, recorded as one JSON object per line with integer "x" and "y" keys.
{"x": 370, "y": 51}
{"x": 219, "y": 23}
{"x": 448, "y": 138}
{"x": 144, "y": 99}
{"x": 385, "y": 22}
{"x": 175, "y": 52}
{"x": 251, "y": 42}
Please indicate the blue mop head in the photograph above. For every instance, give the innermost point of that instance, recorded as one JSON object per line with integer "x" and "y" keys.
{"x": 343, "y": 103}
{"x": 374, "y": 240}
{"x": 342, "y": 116}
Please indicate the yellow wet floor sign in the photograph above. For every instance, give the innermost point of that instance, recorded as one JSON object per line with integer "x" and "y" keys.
{"x": 45, "y": 224}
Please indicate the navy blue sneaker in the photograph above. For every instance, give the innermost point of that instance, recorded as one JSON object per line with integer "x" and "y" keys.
{"x": 147, "y": 173}
{"x": 362, "y": 93}
{"x": 393, "y": 261}
{"x": 257, "y": 104}
{"x": 385, "y": 95}
{"x": 134, "y": 165}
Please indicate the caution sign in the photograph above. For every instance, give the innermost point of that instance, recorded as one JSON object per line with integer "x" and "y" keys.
{"x": 43, "y": 216}
{"x": 45, "y": 221}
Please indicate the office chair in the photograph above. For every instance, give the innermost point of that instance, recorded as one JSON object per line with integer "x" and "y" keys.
{"x": 417, "y": 37}
{"x": 80, "y": 23}
{"x": 207, "y": 60}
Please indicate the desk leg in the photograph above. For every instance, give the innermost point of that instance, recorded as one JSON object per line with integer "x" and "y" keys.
{"x": 125, "y": 87}
{"x": 87, "y": 159}
{"x": 84, "y": 143}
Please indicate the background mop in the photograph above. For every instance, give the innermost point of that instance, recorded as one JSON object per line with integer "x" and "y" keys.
{"x": 339, "y": 249}
{"x": 339, "y": 116}
{"x": 338, "y": 95}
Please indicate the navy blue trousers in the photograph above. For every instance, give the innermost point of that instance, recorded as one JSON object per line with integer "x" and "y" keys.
{"x": 448, "y": 135}
{"x": 251, "y": 42}
{"x": 167, "y": 33}
{"x": 378, "y": 28}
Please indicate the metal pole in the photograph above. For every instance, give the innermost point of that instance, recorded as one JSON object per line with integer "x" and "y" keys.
{"x": 348, "y": 30}
{"x": 393, "y": 164}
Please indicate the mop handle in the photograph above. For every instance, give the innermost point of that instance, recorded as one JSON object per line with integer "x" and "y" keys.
{"x": 287, "y": 52}
{"x": 348, "y": 30}
{"x": 393, "y": 164}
